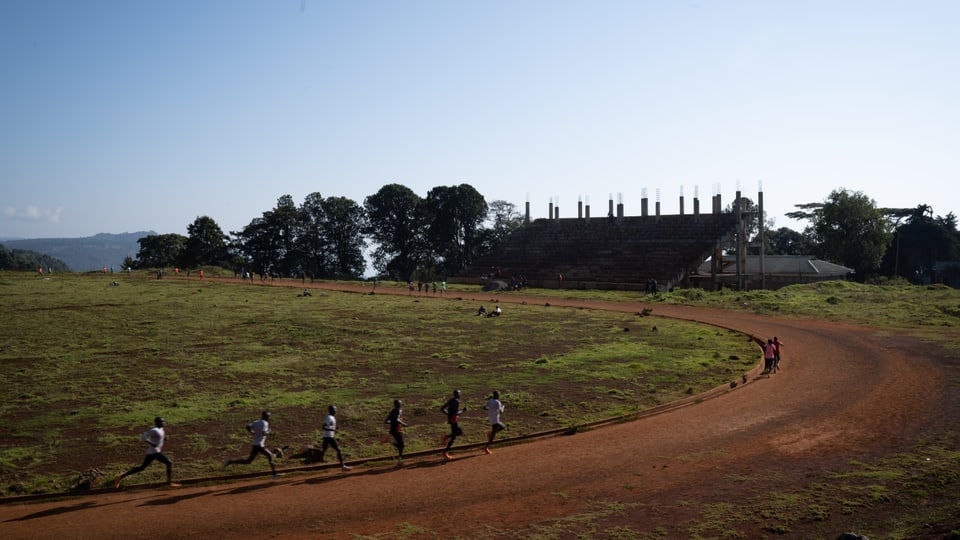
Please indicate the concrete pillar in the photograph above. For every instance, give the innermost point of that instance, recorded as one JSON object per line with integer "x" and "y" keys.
{"x": 763, "y": 277}
{"x": 579, "y": 209}
{"x": 643, "y": 207}
{"x": 620, "y": 211}
{"x": 681, "y": 205}
{"x": 527, "y": 218}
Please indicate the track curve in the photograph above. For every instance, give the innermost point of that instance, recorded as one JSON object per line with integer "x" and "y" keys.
{"x": 845, "y": 392}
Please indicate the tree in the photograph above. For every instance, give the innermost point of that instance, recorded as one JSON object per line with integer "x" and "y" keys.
{"x": 849, "y": 229}
{"x": 29, "y": 261}
{"x": 395, "y": 224}
{"x": 920, "y": 242}
{"x": 342, "y": 224}
{"x": 751, "y": 215}
{"x": 270, "y": 241}
{"x": 160, "y": 250}
{"x": 256, "y": 245}
{"x": 455, "y": 215}
{"x": 206, "y": 244}
{"x": 311, "y": 242}
{"x": 785, "y": 241}
{"x": 504, "y": 219}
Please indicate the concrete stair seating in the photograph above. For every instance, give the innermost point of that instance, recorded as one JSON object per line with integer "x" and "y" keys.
{"x": 620, "y": 254}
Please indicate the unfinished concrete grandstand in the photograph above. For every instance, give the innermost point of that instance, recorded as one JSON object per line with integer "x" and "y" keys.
{"x": 614, "y": 252}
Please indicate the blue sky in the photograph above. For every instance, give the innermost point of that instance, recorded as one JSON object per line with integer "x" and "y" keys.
{"x": 120, "y": 116}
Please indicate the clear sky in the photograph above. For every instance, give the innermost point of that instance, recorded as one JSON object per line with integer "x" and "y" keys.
{"x": 121, "y": 116}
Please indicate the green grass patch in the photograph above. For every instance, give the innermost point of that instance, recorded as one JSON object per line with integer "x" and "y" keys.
{"x": 89, "y": 364}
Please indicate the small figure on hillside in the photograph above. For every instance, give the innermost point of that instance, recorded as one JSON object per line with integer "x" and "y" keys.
{"x": 496, "y": 312}
{"x": 154, "y": 438}
{"x": 305, "y": 293}
{"x": 482, "y": 311}
{"x": 329, "y": 437}
{"x": 395, "y": 420}
{"x": 494, "y": 408}
{"x": 453, "y": 411}
{"x": 259, "y": 430}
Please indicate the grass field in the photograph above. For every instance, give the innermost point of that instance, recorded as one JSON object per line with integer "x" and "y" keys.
{"x": 86, "y": 365}
{"x": 88, "y": 360}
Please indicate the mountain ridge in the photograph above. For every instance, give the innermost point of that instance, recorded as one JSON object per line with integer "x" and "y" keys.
{"x": 88, "y": 253}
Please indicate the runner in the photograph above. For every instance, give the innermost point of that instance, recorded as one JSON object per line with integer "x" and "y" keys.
{"x": 154, "y": 438}
{"x": 452, "y": 409}
{"x": 259, "y": 429}
{"x": 329, "y": 437}
{"x": 494, "y": 408}
{"x": 395, "y": 419}
{"x": 776, "y": 359}
{"x": 769, "y": 356}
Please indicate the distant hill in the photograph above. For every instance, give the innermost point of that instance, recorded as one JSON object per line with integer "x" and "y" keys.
{"x": 85, "y": 254}
{"x": 29, "y": 261}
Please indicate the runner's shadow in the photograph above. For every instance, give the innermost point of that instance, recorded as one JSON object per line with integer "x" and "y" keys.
{"x": 174, "y": 500}
{"x": 332, "y": 478}
{"x": 247, "y": 489}
{"x": 55, "y": 511}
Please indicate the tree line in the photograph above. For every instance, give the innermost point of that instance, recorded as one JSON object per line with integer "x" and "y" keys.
{"x": 412, "y": 237}
{"x": 849, "y": 228}
{"x": 436, "y": 236}
{"x": 29, "y": 261}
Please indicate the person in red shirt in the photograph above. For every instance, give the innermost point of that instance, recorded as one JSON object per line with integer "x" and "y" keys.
{"x": 776, "y": 359}
{"x": 769, "y": 356}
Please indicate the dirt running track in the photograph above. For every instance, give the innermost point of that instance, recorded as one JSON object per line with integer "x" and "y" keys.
{"x": 845, "y": 392}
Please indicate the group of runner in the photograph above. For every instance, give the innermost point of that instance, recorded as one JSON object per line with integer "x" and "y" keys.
{"x": 771, "y": 355}
{"x": 259, "y": 429}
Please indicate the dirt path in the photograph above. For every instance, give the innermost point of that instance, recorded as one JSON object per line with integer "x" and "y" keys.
{"x": 845, "y": 392}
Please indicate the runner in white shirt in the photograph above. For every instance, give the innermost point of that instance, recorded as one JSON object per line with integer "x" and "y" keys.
{"x": 494, "y": 408}
{"x": 329, "y": 437}
{"x": 154, "y": 438}
{"x": 259, "y": 430}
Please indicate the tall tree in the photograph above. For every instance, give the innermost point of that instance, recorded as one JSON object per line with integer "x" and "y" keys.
{"x": 504, "y": 219}
{"x": 311, "y": 241}
{"x": 849, "y": 229}
{"x": 270, "y": 241}
{"x": 343, "y": 222}
{"x": 921, "y": 242}
{"x": 785, "y": 241}
{"x": 160, "y": 250}
{"x": 257, "y": 246}
{"x": 206, "y": 244}
{"x": 395, "y": 224}
{"x": 455, "y": 214}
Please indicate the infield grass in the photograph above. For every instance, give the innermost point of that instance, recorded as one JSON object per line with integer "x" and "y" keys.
{"x": 88, "y": 360}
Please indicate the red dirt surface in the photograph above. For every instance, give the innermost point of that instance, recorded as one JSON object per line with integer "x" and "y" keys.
{"x": 844, "y": 393}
